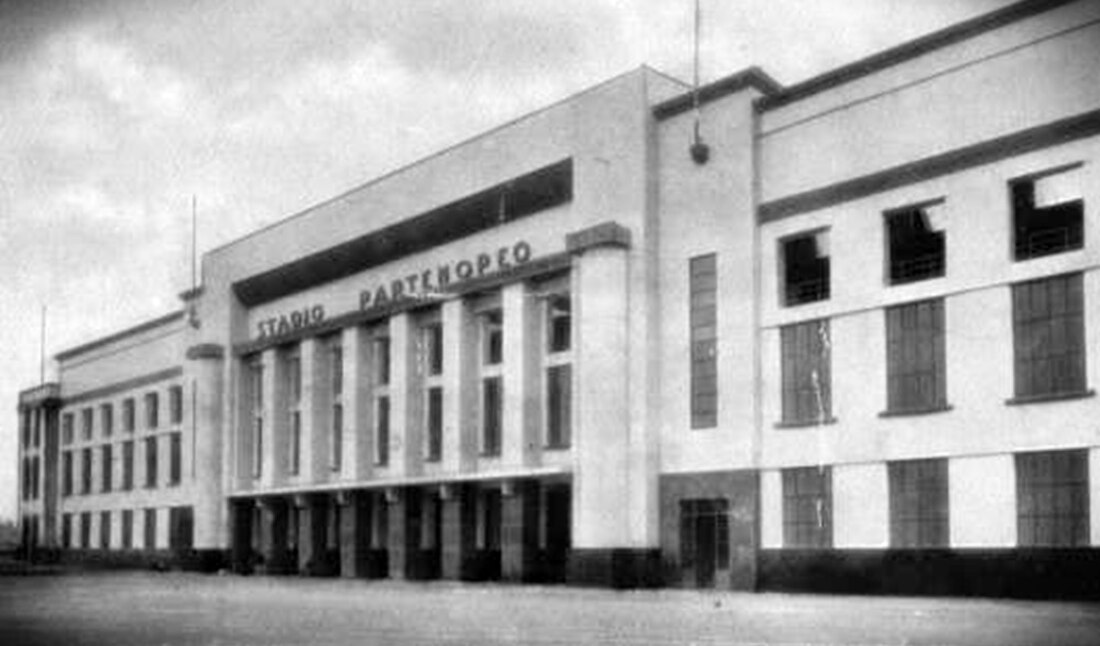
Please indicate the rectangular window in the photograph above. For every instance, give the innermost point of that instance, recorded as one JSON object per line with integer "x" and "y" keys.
{"x": 382, "y": 360}
{"x": 175, "y": 462}
{"x": 128, "y": 465}
{"x": 67, "y": 428}
{"x": 152, "y": 415}
{"x": 704, "y": 341}
{"x": 108, "y": 467}
{"x": 150, "y": 529}
{"x": 916, "y": 240}
{"x": 382, "y": 437}
{"x": 336, "y": 457}
{"x": 87, "y": 417}
{"x": 26, "y": 429}
{"x": 86, "y": 471}
{"x": 1052, "y": 499}
{"x": 432, "y": 338}
{"x": 559, "y": 312}
{"x": 294, "y": 400}
{"x": 107, "y": 419}
{"x": 1049, "y": 336}
{"x": 127, "y": 529}
{"x": 491, "y": 412}
{"x": 150, "y": 462}
{"x": 492, "y": 337}
{"x": 38, "y": 418}
{"x": 807, "y": 373}
{"x": 105, "y": 530}
{"x": 36, "y": 470}
{"x": 435, "y": 424}
{"x": 915, "y": 363}
{"x": 181, "y": 523}
{"x": 86, "y": 529}
{"x": 66, "y": 531}
{"x": 806, "y": 268}
{"x": 67, "y": 473}
{"x": 808, "y": 507}
{"x": 1048, "y": 214}
{"x": 128, "y": 415}
{"x": 918, "y": 504}
{"x": 175, "y": 405}
{"x": 559, "y": 406}
{"x": 336, "y": 369}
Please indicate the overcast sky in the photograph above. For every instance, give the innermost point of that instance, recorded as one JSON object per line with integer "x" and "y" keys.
{"x": 112, "y": 114}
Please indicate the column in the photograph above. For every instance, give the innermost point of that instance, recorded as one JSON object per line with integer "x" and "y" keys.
{"x": 520, "y": 420}
{"x": 202, "y": 406}
{"x": 358, "y": 411}
{"x": 312, "y": 524}
{"x": 274, "y": 538}
{"x": 519, "y": 531}
{"x": 460, "y": 438}
{"x": 459, "y": 531}
{"x": 240, "y": 518}
{"x": 355, "y": 517}
{"x": 397, "y": 543}
{"x": 405, "y": 441}
{"x": 315, "y": 436}
{"x": 610, "y": 454}
{"x": 273, "y": 452}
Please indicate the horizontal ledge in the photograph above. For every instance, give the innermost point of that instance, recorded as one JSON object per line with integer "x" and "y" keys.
{"x": 912, "y": 412}
{"x": 806, "y": 424}
{"x": 1052, "y": 397}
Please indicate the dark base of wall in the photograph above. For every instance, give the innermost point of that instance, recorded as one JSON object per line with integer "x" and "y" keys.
{"x": 326, "y": 564}
{"x": 422, "y": 565}
{"x": 206, "y": 560}
{"x": 1020, "y": 573}
{"x": 614, "y": 568}
{"x": 481, "y": 565}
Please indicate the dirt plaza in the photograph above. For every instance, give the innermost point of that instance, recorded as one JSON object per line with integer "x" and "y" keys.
{"x": 174, "y": 608}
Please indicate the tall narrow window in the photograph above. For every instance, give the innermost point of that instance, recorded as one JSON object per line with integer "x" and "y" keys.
{"x": 67, "y": 473}
{"x": 67, "y": 530}
{"x": 128, "y": 415}
{"x": 294, "y": 401}
{"x": 86, "y": 421}
{"x": 175, "y": 405}
{"x": 1052, "y": 499}
{"x": 255, "y": 372}
{"x": 150, "y": 529}
{"x": 1048, "y": 214}
{"x": 915, "y": 363}
{"x": 432, "y": 340}
{"x": 86, "y": 471}
{"x": 127, "y": 529}
{"x": 807, "y": 373}
{"x": 152, "y": 412}
{"x": 108, "y": 467}
{"x": 559, "y": 322}
{"x": 382, "y": 432}
{"x": 1049, "y": 336}
{"x": 27, "y": 429}
{"x": 67, "y": 428}
{"x": 492, "y": 337}
{"x": 435, "y": 424}
{"x": 808, "y": 507}
{"x": 559, "y": 406}
{"x": 336, "y": 387}
{"x": 175, "y": 458}
{"x": 128, "y": 465}
{"x": 704, "y": 341}
{"x": 382, "y": 360}
{"x": 918, "y": 503}
{"x": 492, "y": 403}
{"x": 915, "y": 236}
{"x": 86, "y": 529}
{"x": 150, "y": 462}
{"x": 104, "y": 530}
{"x": 806, "y": 268}
{"x": 107, "y": 419}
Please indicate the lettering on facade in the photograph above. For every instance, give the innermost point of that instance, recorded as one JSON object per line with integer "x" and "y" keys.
{"x": 287, "y": 323}
{"x": 431, "y": 283}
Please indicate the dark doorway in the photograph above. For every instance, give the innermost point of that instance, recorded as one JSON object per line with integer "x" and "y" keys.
{"x": 704, "y": 542}
{"x": 558, "y": 531}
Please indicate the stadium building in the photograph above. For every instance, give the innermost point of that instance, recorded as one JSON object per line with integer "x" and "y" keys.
{"x": 837, "y": 335}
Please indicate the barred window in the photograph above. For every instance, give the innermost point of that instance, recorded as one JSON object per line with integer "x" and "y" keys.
{"x": 175, "y": 459}
{"x": 703, "y": 320}
{"x": 150, "y": 462}
{"x": 491, "y": 412}
{"x": 128, "y": 422}
{"x": 435, "y": 424}
{"x": 1049, "y": 336}
{"x": 808, "y": 507}
{"x": 918, "y": 503}
{"x": 806, "y": 372}
{"x": 152, "y": 410}
{"x": 559, "y": 405}
{"x": 128, "y": 465}
{"x": 382, "y": 432}
{"x": 806, "y": 268}
{"x": 1047, "y": 214}
{"x": 916, "y": 242}
{"x": 175, "y": 404}
{"x": 915, "y": 362}
{"x": 1052, "y": 499}
{"x": 107, "y": 419}
{"x": 108, "y": 468}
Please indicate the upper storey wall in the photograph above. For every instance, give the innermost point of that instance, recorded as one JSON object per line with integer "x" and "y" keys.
{"x": 1044, "y": 66}
{"x": 150, "y": 348}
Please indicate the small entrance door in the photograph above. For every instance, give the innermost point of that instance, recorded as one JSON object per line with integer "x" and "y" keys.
{"x": 557, "y": 530}
{"x": 704, "y": 542}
